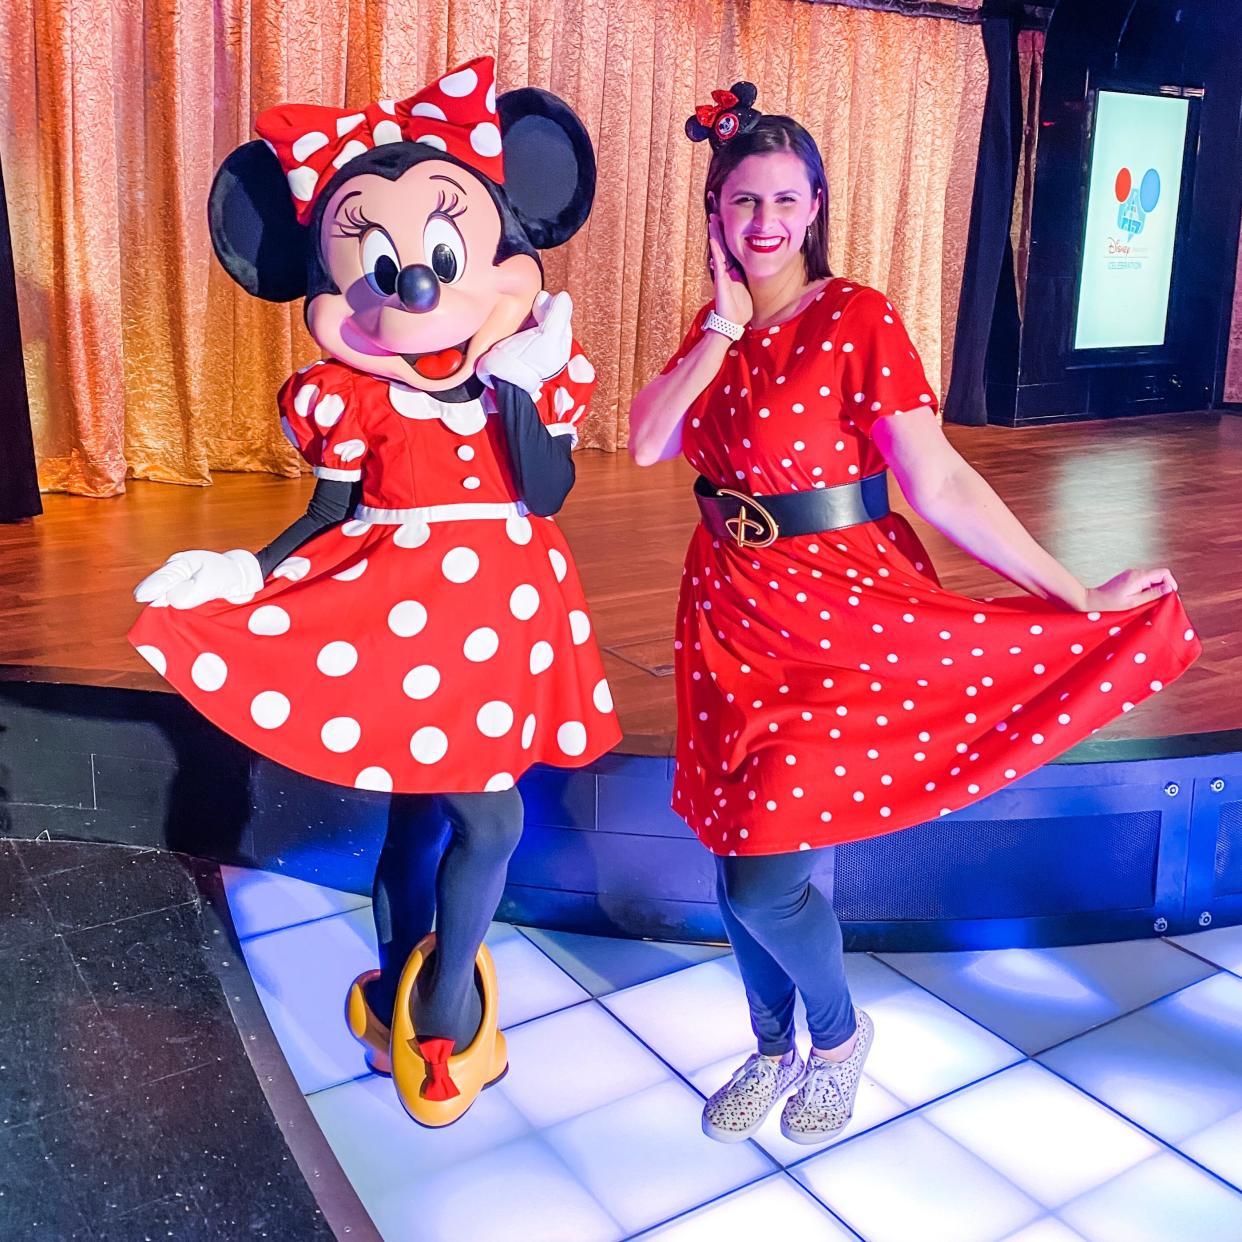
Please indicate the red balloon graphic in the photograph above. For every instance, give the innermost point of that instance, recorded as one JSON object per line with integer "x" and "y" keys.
{"x": 1122, "y": 186}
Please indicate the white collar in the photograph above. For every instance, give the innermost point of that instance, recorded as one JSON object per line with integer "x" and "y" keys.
{"x": 466, "y": 418}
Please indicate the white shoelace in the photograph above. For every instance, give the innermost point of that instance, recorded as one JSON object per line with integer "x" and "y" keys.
{"x": 820, "y": 1080}
{"x": 756, "y": 1066}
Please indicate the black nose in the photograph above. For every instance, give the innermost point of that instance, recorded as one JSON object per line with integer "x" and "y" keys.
{"x": 418, "y": 288}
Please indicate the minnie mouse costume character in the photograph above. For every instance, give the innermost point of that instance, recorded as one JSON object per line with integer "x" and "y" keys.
{"x": 438, "y": 642}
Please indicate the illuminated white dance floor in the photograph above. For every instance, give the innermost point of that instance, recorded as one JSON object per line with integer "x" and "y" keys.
{"x": 1088, "y": 1094}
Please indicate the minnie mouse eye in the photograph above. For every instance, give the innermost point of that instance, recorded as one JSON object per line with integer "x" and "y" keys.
{"x": 444, "y": 248}
{"x": 380, "y": 264}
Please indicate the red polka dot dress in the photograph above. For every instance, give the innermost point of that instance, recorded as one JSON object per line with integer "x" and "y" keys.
{"x": 828, "y": 688}
{"x": 438, "y": 642}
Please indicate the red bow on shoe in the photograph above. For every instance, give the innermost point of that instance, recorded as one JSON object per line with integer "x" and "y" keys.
{"x": 456, "y": 114}
{"x": 707, "y": 114}
{"x": 436, "y": 1052}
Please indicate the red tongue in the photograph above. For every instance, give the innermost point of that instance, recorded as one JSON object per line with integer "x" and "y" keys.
{"x": 440, "y": 366}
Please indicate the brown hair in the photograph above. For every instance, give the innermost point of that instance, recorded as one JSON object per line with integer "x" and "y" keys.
{"x": 771, "y": 134}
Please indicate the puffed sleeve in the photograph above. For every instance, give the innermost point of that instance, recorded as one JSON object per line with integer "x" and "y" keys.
{"x": 878, "y": 369}
{"x": 562, "y": 401}
{"x": 690, "y": 340}
{"x": 321, "y": 416}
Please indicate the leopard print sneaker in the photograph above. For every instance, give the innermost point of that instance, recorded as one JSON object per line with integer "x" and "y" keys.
{"x": 738, "y": 1109}
{"x": 824, "y": 1101}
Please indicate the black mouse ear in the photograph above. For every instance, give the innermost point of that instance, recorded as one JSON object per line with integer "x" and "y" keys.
{"x": 254, "y": 227}
{"x": 549, "y": 165}
{"x": 745, "y": 92}
{"x": 696, "y": 131}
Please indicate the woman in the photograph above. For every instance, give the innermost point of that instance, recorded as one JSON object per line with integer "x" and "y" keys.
{"x": 828, "y": 688}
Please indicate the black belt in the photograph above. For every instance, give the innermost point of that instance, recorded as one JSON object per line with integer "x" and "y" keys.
{"x": 755, "y": 522}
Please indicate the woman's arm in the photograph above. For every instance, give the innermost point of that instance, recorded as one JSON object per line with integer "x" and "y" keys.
{"x": 949, "y": 494}
{"x": 659, "y": 407}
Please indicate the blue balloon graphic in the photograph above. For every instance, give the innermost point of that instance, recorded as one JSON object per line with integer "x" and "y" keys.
{"x": 1149, "y": 191}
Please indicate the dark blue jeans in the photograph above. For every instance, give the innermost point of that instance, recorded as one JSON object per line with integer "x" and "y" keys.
{"x": 787, "y": 939}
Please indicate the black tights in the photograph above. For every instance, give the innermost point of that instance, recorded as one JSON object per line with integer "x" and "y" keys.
{"x": 421, "y": 882}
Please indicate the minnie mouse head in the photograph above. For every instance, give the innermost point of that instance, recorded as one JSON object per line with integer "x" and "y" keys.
{"x": 412, "y": 228}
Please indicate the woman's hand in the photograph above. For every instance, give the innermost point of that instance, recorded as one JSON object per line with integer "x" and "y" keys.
{"x": 1129, "y": 589}
{"x": 733, "y": 300}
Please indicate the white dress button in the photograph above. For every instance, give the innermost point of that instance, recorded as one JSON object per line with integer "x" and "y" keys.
{"x": 466, "y": 453}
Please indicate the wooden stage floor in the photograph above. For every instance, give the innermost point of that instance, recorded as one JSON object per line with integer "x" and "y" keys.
{"x": 1101, "y": 496}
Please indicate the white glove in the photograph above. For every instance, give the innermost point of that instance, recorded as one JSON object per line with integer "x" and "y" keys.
{"x": 188, "y": 579}
{"x": 529, "y": 357}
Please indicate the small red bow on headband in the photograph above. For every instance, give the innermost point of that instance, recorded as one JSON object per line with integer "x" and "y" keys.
{"x": 706, "y": 114}
{"x": 456, "y": 114}
{"x": 435, "y": 1053}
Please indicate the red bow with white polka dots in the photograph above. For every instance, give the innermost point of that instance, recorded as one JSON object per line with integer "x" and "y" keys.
{"x": 456, "y": 114}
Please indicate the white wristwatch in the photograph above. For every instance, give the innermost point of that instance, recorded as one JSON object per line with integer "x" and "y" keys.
{"x": 726, "y": 327}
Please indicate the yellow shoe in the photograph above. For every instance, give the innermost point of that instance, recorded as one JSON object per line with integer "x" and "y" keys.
{"x": 437, "y": 1086}
{"x": 365, "y": 1027}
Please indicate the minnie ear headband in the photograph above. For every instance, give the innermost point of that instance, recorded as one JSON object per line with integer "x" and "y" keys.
{"x": 456, "y": 114}
{"x": 730, "y": 113}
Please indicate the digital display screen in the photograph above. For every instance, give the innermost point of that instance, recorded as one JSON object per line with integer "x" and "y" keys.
{"x": 1133, "y": 190}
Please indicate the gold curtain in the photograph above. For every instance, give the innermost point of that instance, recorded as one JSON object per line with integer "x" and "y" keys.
{"x": 1233, "y": 361}
{"x": 143, "y": 360}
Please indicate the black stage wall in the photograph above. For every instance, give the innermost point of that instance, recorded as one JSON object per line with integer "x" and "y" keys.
{"x": 1127, "y": 44}
{"x": 19, "y": 485}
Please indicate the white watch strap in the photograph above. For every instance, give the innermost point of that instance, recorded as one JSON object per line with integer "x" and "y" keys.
{"x": 726, "y": 327}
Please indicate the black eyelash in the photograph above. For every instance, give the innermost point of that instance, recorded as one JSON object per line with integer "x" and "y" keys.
{"x": 355, "y": 223}
{"x": 445, "y": 208}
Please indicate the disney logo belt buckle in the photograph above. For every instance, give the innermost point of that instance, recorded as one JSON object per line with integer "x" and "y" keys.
{"x": 753, "y": 526}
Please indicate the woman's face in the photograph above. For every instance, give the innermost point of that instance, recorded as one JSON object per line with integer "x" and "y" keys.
{"x": 766, "y": 207}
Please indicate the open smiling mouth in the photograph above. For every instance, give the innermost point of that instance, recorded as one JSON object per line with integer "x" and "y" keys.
{"x": 439, "y": 364}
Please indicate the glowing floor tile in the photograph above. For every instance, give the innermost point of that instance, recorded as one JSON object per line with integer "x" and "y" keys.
{"x": 380, "y": 1149}
{"x": 1219, "y": 1147}
{"x": 923, "y": 1048}
{"x": 872, "y": 1106}
{"x": 519, "y": 1192}
{"x": 604, "y": 964}
{"x": 1047, "y": 1230}
{"x": 645, "y": 1158}
{"x": 1047, "y": 1138}
{"x": 530, "y": 983}
{"x": 697, "y": 1018}
{"x": 1035, "y": 998}
{"x": 575, "y": 1061}
{"x": 774, "y": 1208}
{"x": 302, "y": 975}
{"x": 908, "y": 1181}
{"x": 1165, "y": 1199}
{"x": 693, "y": 1018}
{"x": 1174, "y": 1067}
{"x": 262, "y": 901}
{"x": 1222, "y": 945}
